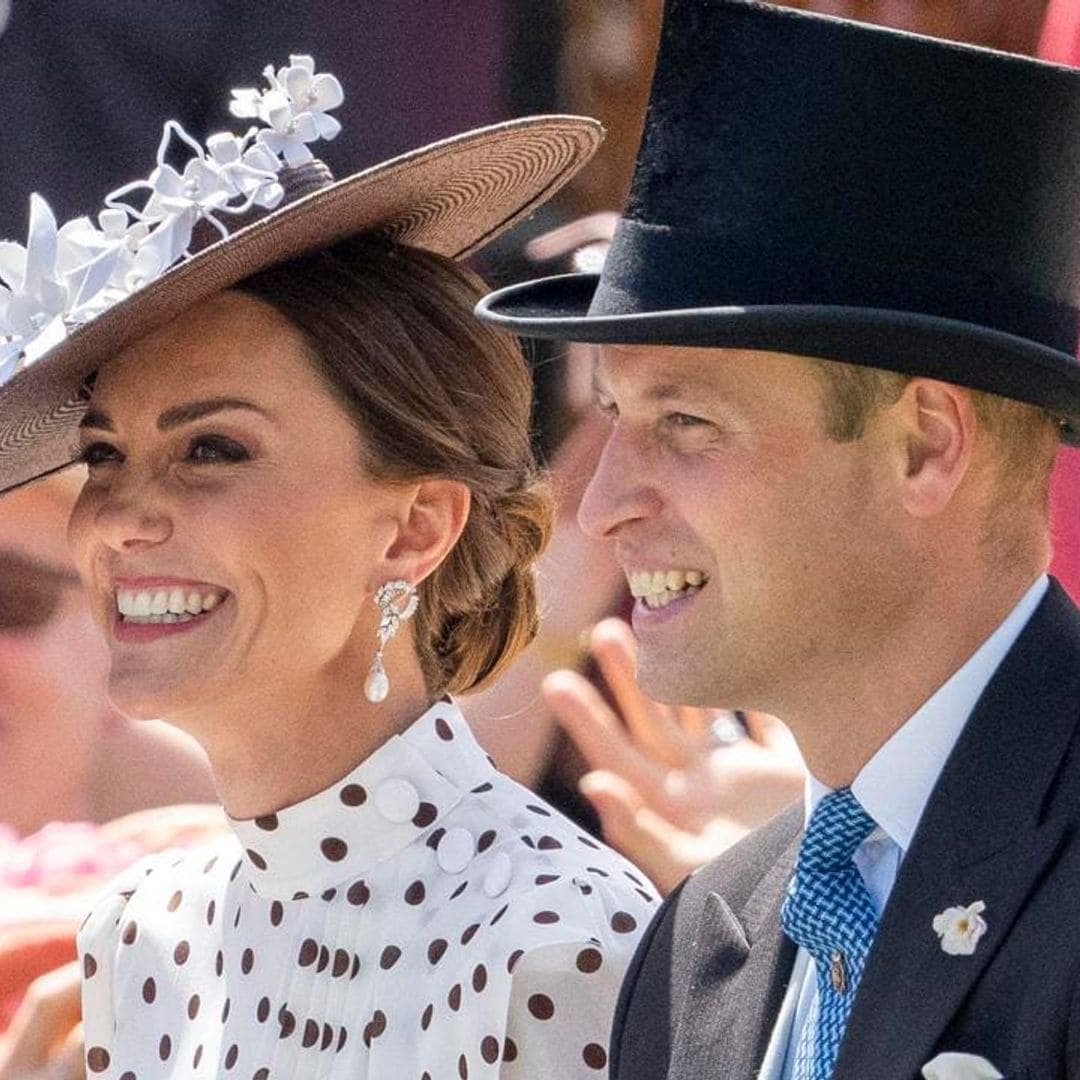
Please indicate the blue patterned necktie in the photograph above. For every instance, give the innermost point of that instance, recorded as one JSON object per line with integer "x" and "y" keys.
{"x": 828, "y": 911}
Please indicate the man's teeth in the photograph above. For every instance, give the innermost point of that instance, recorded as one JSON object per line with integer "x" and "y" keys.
{"x": 659, "y": 587}
{"x": 165, "y": 605}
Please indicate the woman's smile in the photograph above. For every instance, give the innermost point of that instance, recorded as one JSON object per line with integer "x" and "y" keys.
{"x": 147, "y": 609}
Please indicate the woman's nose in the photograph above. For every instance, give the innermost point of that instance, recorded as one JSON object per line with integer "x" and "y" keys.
{"x": 129, "y": 517}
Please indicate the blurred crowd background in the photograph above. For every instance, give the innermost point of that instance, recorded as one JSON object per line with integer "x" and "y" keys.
{"x": 87, "y": 86}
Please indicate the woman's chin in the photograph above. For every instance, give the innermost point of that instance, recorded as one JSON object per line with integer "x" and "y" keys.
{"x": 140, "y": 699}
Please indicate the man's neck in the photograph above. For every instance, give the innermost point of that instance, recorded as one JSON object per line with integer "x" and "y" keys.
{"x": 866, "y": 703}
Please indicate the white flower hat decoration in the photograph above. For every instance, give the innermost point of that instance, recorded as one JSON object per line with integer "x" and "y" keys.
{"x": 78, "y": 293}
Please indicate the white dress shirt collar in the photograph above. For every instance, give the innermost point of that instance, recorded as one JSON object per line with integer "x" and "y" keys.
{"x": 894, "y": 785}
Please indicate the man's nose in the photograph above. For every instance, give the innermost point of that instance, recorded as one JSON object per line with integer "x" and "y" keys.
{"x": 618, "y": 492}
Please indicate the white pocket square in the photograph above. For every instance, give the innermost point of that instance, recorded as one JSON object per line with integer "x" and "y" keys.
{"x": 960, "y": 1067}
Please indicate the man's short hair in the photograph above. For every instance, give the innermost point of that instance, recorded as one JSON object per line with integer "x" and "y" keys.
{"x": 1024, "y": 437}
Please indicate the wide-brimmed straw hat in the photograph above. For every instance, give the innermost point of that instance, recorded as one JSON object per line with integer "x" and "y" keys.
{"x": 822, "y": 187}
{"x": 77, "y": 295}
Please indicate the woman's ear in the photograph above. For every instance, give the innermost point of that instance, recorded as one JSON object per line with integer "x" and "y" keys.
{"x": 430, "y": 524}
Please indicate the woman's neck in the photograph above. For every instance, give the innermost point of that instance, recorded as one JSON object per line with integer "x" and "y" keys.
{"x": 278, "y": 746}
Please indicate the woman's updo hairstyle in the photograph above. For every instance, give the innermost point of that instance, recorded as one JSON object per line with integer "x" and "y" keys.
{"x": 434, "y": 392}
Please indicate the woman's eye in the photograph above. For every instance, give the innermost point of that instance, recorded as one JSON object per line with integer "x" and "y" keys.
{"x": 209, "y": 448}
{"x": 97, "y": 453}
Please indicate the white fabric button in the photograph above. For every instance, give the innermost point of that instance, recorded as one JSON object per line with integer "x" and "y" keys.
{"x": 456, "y": 849}
{"x": 397, "y": 800}
{"x": 497, "y": 879}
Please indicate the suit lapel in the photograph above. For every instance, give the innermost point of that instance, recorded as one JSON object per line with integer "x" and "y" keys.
{"x": 741, "y": 968}
{"x": 981, "y": 837}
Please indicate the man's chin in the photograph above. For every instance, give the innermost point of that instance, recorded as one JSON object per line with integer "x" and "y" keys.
{"x": 674, "y": 682}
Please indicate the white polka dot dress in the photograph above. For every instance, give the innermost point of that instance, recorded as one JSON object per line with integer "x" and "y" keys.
{"x": 424, "y": 918}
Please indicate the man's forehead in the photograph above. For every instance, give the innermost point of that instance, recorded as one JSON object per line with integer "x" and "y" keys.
{"x": 662, "y": 371}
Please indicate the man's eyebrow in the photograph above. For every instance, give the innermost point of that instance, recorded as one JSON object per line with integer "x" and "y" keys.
{"x": 18, "y": 563}
{"x": 178, "y": 415}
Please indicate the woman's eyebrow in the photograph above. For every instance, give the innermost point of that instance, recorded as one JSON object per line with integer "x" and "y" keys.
{"x": 178, "y": 415}
{"x": 196, "y": 410}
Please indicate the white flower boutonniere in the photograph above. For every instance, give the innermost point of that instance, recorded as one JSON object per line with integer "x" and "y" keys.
{"x": 960, "y": 928}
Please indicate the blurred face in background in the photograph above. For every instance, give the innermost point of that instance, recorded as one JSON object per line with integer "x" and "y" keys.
{"x": 53, "y": 663}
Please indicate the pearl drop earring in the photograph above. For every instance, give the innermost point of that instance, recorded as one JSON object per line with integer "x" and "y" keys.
{"x": 397, "y": 602}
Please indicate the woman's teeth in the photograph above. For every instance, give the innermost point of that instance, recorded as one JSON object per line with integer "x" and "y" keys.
{"x": 657, "y": 588}
{"x": 165, "y": 605}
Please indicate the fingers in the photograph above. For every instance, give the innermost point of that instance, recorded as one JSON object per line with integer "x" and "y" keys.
{"x": 596, "y": 730}
{"x": 592, "y": 229}
{"x": 70, "y": 1060}
{"x": 653, "y": 726}
{"x": 636, "y": 830}
{"x": 697, "y": 723}
{"x": 43, "y": 1024}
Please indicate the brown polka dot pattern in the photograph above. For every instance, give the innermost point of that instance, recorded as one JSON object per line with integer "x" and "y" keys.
{"x": 97, "y": 1059}
{"x": 541, "y": 1006}
{"x": 332, "y": 912}
{"x": 589, "y": 960}
{"x": 334, "y": 848}
{"x": 354, "y": 795}
{"x": 595, "y": 1056}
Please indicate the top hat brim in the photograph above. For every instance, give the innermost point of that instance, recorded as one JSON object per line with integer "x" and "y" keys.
{"x": 450, "y": 197}
{"x": 965, "y": 353}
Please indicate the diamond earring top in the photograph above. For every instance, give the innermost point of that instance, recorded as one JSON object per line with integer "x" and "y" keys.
{"x": 397, "y": 602}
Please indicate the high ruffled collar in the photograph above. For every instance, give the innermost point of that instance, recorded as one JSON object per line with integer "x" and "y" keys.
{"x": 394, "y": 796}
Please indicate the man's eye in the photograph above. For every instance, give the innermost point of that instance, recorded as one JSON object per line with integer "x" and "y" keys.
{"x": 98, "y": 453}
{"x": 210, "y": 448}
{"x": 685, "y": 420}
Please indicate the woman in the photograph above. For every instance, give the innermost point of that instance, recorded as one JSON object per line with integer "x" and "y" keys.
{"x": 278, "y": 432}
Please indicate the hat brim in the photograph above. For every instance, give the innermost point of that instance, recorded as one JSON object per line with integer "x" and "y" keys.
{"x": 450, "y": 197}
{"x": 964, "y": 353}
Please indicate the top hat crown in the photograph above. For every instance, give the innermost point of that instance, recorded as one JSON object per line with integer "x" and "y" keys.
{"x": 831, "y": 189}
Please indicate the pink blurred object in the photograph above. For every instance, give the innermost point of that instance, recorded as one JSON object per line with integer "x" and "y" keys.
{"x": 1065, "y": 502}
{"x": 1060, "y": 39}
{"x": 1060, "y": 42}
{"x": 63, "y": 855}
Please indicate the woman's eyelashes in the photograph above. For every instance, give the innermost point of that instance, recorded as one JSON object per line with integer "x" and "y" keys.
{"x": 199, "y": 450}
{"x": 211, "y": 448}
{"x": 96, "y": 453}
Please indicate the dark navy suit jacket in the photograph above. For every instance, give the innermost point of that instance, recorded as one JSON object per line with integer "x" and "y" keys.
{"x": 1001, "y": 826}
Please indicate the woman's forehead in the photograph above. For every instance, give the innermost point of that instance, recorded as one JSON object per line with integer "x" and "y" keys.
{"x": 229, "y": 345}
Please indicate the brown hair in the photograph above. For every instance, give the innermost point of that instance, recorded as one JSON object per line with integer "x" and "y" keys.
{"x": 433, "y": 393}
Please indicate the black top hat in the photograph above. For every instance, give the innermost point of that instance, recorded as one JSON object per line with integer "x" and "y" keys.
{"x": 821, "y": 187}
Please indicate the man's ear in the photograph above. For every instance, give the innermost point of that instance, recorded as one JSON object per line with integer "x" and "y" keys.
{"x": 937, "y": 427}
{"x": 431, "y": 521}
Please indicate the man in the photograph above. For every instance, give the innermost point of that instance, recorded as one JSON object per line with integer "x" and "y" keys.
{"x": 837, "y": 335}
